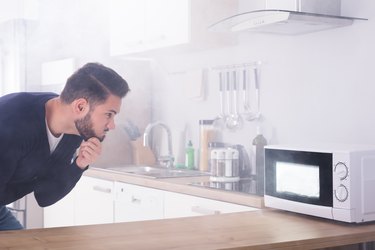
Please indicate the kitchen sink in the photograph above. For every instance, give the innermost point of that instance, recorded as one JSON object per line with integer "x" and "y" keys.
{"x": 156, "y": 171}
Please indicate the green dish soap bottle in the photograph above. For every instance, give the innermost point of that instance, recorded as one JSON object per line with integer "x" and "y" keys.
{"x": 189, "y": 156}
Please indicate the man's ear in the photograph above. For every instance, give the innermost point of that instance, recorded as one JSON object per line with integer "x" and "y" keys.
{"x": 80, "y": 107}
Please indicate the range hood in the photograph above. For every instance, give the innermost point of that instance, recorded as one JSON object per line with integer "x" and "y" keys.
{"x": 287, "y": 21}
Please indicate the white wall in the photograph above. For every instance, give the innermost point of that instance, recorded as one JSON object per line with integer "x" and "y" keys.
{"x": 315, "y": 88}
{"x": 79, "y": 29}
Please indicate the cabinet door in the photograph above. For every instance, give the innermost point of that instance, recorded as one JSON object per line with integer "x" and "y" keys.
{"x": 141, "y": 25}
{"x": 127, "y": 23}
{"x": 60, "y": 214}
{"x": 182, "y": 205}
{"x": 93, "y": 201}
{"x": 136, "y": 203}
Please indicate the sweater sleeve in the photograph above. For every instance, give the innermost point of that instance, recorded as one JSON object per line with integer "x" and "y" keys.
{"x": 57, "y": 183}
{"x": 9, "y": 157}
{"x": 60, "y": 175}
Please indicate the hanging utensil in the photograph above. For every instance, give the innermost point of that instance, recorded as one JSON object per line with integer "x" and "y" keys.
{"x": 234, "y": 120}
{"x": 245, "y": 90}
{"x": 249, "y": 114}
{"x": 257, "y": 87}
{"x": 228, "y": 98}
{"x": 229, "y": 118}
{"x": 219, "y": 121}
{"x": 222, "y": 97}
{"x": 236, "y": 87}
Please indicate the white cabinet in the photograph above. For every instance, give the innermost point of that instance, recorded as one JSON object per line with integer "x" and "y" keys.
{"x": 97, "y": 201}
{"x": 140, "y": 25}
{"x": 180, "y": 25}
{"x": 137, "y": 203}
{"x": 94, "y": 200}
{"x": 60, "y": 214}
{"x": 90, "y": 202}
{"x": 181, "y": 205}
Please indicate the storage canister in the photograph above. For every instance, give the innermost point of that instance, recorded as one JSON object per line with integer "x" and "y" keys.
{"x": 218, "y": 162}
{"x": 206, "y": 135}
{"x": 212, "y": 146}
{"x": 224, "y": 162}
{"x": 231, "y": 163}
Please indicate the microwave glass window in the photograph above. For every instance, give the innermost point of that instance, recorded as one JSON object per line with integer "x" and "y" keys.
{"x": 298, "y": 179}
{"x": 300, "y": 176}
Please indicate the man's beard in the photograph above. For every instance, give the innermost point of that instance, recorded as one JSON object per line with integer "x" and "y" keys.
{"x": 85, "y": 128}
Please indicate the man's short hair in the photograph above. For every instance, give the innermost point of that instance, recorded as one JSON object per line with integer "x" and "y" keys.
{"x": 94, "y": 82}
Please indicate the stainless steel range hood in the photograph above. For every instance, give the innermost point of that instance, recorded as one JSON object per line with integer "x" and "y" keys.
{"x": 286, "y": 22}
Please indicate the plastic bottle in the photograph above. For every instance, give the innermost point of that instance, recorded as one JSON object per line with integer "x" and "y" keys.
{"x": 189, "y": 156}
{"x": 258, "y": 160}
{"x": 180, "y": 148}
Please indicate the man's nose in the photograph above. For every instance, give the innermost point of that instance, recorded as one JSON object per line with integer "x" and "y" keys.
{"x": 111, "y": 125}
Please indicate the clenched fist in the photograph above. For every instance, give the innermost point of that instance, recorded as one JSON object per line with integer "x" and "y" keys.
{"x": 88, "y": 152}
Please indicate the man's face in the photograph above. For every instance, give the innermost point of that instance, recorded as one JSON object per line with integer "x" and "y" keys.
{"x": 99, "y": 120}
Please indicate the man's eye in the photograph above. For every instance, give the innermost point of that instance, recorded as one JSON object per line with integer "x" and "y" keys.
{"x": 109, "y": 115}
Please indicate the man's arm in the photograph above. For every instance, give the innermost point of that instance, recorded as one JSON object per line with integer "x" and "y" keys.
{"x": 61, "y": 175}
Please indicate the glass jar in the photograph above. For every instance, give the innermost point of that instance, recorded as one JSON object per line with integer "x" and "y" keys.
{"x": 231, "y": 163}
{"x": 212, "y": 146}
{"x": 218, "y": 162}
{"x": 206, "y": 135}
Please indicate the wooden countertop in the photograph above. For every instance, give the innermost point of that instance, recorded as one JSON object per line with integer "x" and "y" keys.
{"x": 261, "y": 229}
{"x": 180, "y": 185}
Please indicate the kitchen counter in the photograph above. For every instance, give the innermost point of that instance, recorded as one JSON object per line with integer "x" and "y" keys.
{"x": 261, "y": 229}
{"x": 180, "y": 185}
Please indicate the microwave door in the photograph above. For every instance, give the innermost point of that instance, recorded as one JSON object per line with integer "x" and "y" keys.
{"x": 299, "y": 176}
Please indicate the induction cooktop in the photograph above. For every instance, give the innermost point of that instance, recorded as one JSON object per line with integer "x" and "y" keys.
{"x": 244, "y": 185}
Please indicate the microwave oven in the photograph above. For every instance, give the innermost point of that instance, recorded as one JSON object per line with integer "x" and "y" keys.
{"x": 330, "y": 181}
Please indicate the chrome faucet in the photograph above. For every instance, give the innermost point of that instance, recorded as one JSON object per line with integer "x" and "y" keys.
{"x": 167, "y": 160}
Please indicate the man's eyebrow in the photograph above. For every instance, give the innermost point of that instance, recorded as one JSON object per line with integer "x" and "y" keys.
{"x": 113, "y": 111}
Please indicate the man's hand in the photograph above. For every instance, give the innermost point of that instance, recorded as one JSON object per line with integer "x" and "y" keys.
{"x": 88, "y": 152}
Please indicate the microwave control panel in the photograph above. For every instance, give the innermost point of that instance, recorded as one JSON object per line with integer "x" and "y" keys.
{"x": 341, "y": 176}
{"x": 341, "y": 170}
{"x": 341, "y": 193}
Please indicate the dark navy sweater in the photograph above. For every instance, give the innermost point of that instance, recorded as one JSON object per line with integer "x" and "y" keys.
{"x": 26, "y": 164}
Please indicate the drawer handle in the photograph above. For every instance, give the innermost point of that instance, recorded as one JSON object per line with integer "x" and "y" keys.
{"x": 204, "y": 211}
{"x": 136, "y": 200}
{"x": 102, "y": 189}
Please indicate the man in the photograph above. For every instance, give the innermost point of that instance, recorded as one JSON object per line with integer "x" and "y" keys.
{"x": 41, "y": 132}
